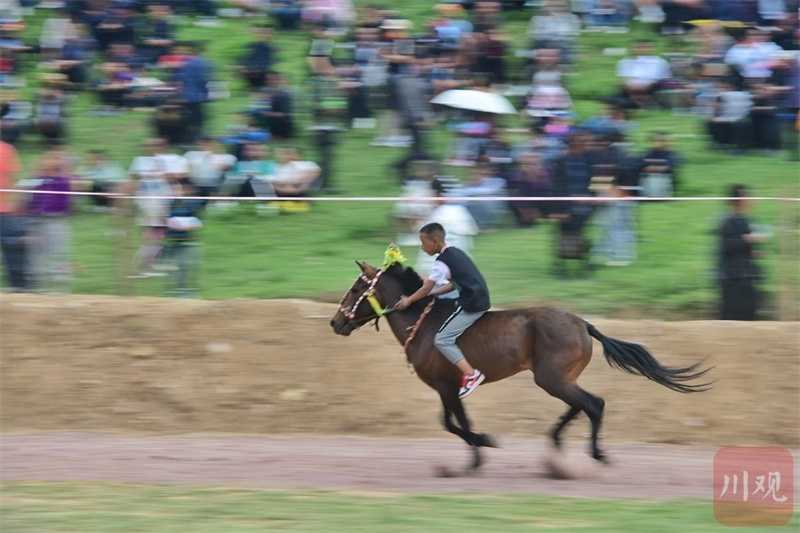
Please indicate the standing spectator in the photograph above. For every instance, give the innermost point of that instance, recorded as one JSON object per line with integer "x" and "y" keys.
{"x": 105, "y": 175}
{"x": 182, "y": 250}
{"x": 258, "y": 58}
{"x": 152, "y": 190}
{"x": 194, "y": 78}
{"x": 51, "y": 241}
{"x": 12, "y": 223}
{"x": 737, "y": 271}
{"x": 532, "y": 180}
{"x": 616, "y": 244}
{"x": 276, "y": 107}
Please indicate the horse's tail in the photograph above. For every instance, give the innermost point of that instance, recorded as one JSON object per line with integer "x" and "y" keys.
{"x": 635, "y": 359}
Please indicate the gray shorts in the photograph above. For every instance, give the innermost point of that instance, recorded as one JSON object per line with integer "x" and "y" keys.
{"x": 453, "y": 327}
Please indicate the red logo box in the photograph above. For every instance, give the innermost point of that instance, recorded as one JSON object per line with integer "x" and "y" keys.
{"x": 753, "y": 486}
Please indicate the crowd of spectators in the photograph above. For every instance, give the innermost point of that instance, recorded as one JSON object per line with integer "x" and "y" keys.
{"x": 373, "y": 68}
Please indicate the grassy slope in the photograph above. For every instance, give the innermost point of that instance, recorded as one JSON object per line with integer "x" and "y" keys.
{"x": 309, "y": 255}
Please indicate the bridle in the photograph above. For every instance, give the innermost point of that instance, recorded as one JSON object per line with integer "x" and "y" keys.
{"x": 369, "y": 296}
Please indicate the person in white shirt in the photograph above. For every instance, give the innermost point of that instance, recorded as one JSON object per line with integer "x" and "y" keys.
{"x": 153, "y": 191}
{"x": 293, "y": 177}
{"x": 751, "y": 56}
{"x": 557, "y": 27}
{"x": 208, "y": 165}
{"x": 642, "y": 73}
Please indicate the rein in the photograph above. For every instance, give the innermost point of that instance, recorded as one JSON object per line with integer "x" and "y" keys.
{"x": 416, "y": 327}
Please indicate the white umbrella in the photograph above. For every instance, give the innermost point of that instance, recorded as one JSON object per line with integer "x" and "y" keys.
{"x": 473, "y": 100}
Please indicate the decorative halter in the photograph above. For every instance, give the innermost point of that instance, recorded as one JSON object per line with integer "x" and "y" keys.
{"x": 392, "y": 256}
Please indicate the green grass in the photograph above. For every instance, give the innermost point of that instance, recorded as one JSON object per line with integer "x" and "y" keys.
{"x": 310, "y": 255}
{"x": 104, "y": 507}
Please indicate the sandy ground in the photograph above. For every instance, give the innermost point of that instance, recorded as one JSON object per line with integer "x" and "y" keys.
{"x": 263, "y": 393}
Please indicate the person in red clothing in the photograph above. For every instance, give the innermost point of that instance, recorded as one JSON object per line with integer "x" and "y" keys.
{"x": 12, "y": 223}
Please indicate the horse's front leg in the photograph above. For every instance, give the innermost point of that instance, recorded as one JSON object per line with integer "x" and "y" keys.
{"x": 453, "y": 406}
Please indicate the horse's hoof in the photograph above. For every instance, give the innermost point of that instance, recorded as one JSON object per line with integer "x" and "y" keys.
{"x": 603, "y": 458}
{"x": 489, "y": 441}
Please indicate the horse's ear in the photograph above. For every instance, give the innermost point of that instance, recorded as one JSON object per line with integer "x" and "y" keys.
{"x": 367, "y": 269}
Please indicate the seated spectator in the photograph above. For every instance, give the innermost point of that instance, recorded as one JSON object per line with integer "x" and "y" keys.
{"x": 287, "y": 13}
{"x": 158, "y": 37}
{"x": 714, "y": 42}
{"x": 293, "y": 177}
{"x": 771, "y": 12}
{"x": 116, "y": 83}
{"x": 117, "y": 25}
{"x": 105, "y": 176}
{"x": 533, "y": 180}
{"x": 613, "y": 120}
{"x": 253, "y": 172}
{"x": 642, "y": 73}
{"x": 15, "y": 116}
{"x": 49, "y": 115}
{"x": 556, "y": 28}
{"x": 73, "y": 59}
{"x": 662, "y": 160}
{"x": 486, "y": 182}
{"x": 751, "y": 57}
{"x": 729, "y": 127}
{"x": 548, "y": 97}
{"x": 208, "y": 165}
{"x": 611, "y": 16}
{"x": 55, "y": 32}
{"x": 258, "y": 58}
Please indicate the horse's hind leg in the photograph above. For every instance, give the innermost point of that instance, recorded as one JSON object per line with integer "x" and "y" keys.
{"x": 578, "y": 400}
{"x": 566, "y": 418}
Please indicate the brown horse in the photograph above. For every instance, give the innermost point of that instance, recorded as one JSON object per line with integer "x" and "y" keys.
{"x": 553, "y": 344}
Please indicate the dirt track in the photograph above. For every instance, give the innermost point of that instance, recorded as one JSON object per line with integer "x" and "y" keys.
{"x": 136, "y": 370}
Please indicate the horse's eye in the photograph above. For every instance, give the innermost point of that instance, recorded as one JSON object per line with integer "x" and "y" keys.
{"x": 353, "y": 291}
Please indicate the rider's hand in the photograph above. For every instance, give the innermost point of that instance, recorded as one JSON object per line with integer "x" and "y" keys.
{"x": 401, "y": 304}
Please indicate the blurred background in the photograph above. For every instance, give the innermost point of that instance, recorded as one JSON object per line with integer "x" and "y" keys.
{"x": 439, "y": 103}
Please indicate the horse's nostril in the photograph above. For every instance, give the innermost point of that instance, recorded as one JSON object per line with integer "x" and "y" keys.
{"x": 333, "y": 325}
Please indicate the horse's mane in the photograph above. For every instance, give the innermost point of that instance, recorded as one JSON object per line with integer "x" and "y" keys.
{"x": 408, "y": 278}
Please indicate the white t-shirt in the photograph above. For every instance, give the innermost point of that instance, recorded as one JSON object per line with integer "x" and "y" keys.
{"x": 752, "y": 60}
{"x": 643, "y": 69}
{"x": 207, "y": 168}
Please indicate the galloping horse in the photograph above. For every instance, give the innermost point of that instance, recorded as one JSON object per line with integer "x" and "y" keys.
{"x": 553, "y": 344}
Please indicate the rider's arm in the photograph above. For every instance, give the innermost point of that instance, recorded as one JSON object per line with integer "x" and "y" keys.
{"x": 450, "y": 287}
{"x": 425, "y": 290}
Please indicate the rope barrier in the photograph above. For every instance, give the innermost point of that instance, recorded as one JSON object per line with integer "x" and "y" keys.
{"x": 594, "y": 199}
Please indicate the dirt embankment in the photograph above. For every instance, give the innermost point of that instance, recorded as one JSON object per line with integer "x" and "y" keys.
{"x": 275, "y": 367}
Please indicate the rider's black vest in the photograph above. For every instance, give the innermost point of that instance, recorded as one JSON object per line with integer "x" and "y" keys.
{"x": 472, "y": 289}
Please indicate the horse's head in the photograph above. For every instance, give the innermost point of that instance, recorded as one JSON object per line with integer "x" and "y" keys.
{"x": 360, "y": 303}
{"x": 373, "y": 294}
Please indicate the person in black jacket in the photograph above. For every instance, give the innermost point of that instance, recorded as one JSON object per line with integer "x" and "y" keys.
{"x": 736, "y": 268}
{"x": 453, "y": 269}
